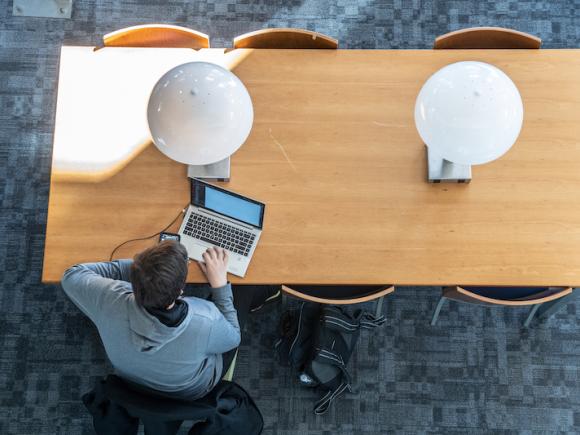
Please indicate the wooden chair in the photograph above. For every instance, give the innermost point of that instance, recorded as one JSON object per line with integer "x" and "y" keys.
{"x": 486, "y": 37}
{"x": 340, "y": 295}
{"x": 285, "y": 38}
{"x": 156, "y": 35}
{"x": 505, "y": 296}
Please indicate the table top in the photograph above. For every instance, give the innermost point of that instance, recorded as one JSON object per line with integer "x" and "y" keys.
{"x": 335, "y": 155}
{"x": 100, "y": 122}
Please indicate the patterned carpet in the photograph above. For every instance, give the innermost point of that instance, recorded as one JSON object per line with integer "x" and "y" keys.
{"x": 477, "y": 371}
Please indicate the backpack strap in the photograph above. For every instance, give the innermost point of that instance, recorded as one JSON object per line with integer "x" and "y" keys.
{"x": 326, "y": 356}
{"x": 370, "y": 321}
{"x": 323, "y": 404}
{"x": 337, "y": 319}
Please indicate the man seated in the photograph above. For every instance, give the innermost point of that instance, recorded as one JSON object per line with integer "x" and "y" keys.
{"x": 152, "y": 335}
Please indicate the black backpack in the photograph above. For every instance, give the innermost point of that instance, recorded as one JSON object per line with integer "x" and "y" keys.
{"x": 318, "y": 341}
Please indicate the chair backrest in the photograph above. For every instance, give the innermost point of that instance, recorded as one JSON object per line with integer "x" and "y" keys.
{"x": 156, "y": 35}
{"x": 520, "y": 296}
{"x": 487, "y": 37}
{"x": 285, "y": 38}
{"x": 338, "y": 295}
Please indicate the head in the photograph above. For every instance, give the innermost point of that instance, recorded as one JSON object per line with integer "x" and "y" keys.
{"x": 158, "y": 274}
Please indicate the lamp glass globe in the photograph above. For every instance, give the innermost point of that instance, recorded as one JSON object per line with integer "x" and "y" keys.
{"x": 469, "y": 113}
{"x": 199, "y": 113}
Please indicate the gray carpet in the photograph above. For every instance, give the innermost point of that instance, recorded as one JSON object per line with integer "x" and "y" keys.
{"x": 477, "y": 371}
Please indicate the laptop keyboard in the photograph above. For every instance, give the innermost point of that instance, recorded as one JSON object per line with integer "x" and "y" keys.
{"x": 219, "y": 234}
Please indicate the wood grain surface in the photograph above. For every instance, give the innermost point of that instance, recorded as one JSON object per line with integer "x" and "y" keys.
{"x": 335, "y": 155}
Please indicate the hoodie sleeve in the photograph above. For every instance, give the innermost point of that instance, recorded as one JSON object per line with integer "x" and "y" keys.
{"x": 225, "y": 331}
{"x": 93, "y": 286}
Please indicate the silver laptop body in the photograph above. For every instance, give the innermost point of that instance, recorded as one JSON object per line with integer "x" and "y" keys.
{"x": 217, "y": 217}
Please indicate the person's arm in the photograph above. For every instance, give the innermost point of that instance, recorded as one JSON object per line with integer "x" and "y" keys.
{"x": 91, "y": 285}
{"x": 225, "y": 332}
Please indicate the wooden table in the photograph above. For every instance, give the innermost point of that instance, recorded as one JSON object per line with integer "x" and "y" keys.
{"x": 335, "y": 156}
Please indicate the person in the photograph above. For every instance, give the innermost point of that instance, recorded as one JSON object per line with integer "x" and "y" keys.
{"x": 155, "y": 337}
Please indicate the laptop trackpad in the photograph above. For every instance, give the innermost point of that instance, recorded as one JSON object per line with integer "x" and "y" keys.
{"x": 195, "y": 250}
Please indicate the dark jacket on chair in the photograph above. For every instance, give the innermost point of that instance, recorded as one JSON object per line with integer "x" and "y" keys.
{"x": 117, "y": 408}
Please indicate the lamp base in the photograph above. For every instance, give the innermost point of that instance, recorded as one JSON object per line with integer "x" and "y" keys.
{"x": 218, "y": 171}
{"x": 440, "y": 170}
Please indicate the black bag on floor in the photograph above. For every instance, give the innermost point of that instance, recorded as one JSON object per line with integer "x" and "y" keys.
{"x": 294, "y": 346}
{"x": 318, "y": 341}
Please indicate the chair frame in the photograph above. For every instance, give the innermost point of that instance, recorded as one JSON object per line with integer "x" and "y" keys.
{"x": 490, "y": 38}
{"x": 229, "y": 375}
{"x": 152, "y": 35}
{"x": 460, "y": 294}
{"x": 379, "y": 295}
{"x": 548, "y": 309}
{"x": 274, "y": 38}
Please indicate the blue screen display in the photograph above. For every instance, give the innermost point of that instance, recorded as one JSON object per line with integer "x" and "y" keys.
{"x": 233, "y": 206}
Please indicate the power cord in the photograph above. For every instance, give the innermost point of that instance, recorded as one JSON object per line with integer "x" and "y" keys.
{"x": 147, "y": 238}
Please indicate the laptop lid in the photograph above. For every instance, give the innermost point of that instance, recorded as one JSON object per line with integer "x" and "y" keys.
{"x": 226, "y": 203}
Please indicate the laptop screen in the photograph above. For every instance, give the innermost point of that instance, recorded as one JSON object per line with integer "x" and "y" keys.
{"x": 227, "y": 203}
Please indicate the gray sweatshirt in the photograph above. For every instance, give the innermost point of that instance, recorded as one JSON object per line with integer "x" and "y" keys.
{"x": 185, "y": 360}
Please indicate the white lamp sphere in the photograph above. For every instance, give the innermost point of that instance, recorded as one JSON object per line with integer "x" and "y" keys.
{"x": 199, "y": 113}
{"x": 469, "y": 113}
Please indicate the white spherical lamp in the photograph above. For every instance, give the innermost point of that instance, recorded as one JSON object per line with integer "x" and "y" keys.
{"x": 199, "y": 114}
{"x": 467, "y": 113}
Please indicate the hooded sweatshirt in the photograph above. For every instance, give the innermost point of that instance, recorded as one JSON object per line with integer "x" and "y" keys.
{"x": 184, "y": 360}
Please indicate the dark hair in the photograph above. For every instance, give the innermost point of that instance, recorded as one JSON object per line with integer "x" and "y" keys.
{"x": 158, "y": 274}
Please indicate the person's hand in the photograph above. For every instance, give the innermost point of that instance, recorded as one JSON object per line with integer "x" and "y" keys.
{"x": 215, "y": 266}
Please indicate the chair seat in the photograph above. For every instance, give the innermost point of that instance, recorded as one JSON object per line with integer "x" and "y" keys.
{"x": 506, "y": 293}
{"x": 503, "y": 296}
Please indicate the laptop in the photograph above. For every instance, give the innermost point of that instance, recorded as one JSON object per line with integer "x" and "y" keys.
{"x": 217, "y": 217}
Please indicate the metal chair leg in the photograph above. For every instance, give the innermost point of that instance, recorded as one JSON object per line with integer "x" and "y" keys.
{"x": 438, "y": 310}
{"x": 531, "y": 315}
{"x": 548, "y": 309}
{"x": 379, "y": 307}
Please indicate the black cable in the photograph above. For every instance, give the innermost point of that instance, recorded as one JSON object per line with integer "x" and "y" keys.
{"x": 149, "y": 237}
